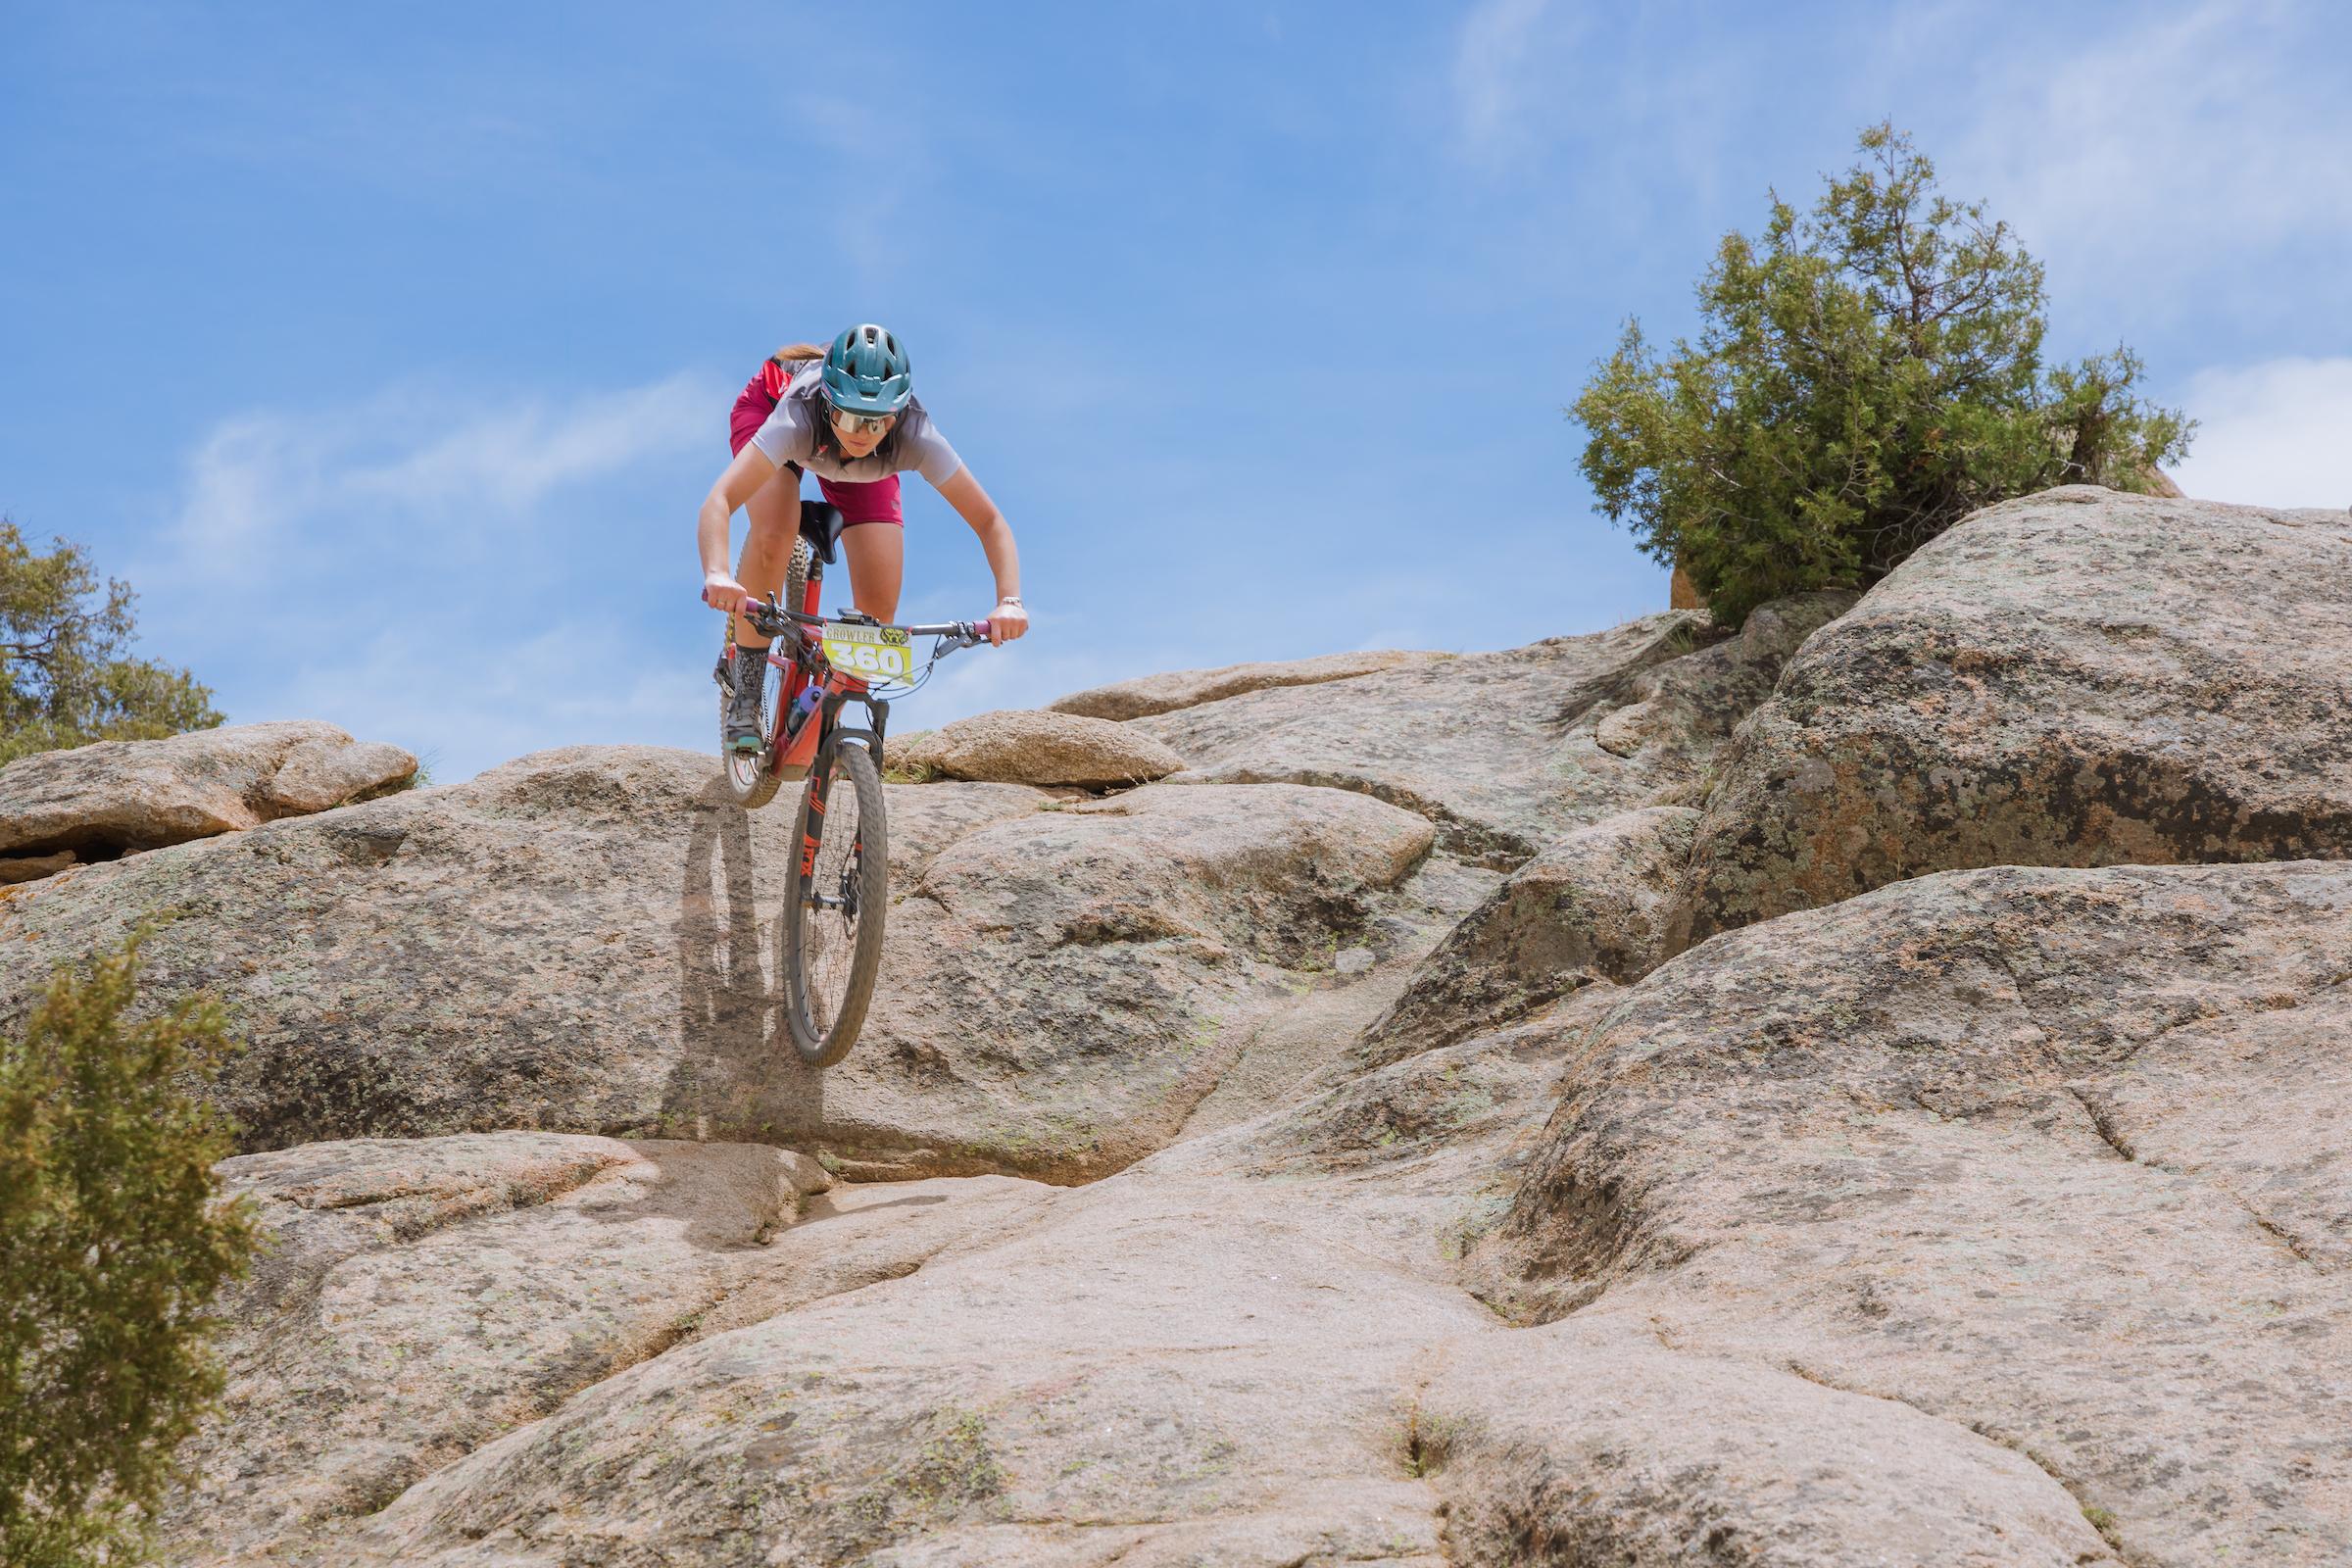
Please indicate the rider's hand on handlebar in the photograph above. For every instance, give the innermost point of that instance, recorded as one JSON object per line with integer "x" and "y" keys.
{"x": 722, "y": 592}
{"x": 1007, "y": 622}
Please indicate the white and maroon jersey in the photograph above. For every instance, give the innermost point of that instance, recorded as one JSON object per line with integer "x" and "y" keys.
{"x": 792, "y": 435}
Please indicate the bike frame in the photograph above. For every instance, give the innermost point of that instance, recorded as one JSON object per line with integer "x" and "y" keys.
{"x": 796, "y": 755}
{"x": 808, "y": 753}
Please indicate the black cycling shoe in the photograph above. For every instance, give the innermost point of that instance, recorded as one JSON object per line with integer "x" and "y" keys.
{"x": 746, "y": 683}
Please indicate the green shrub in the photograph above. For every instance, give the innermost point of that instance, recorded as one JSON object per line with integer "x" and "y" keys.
{"x": 111, "y": 1247}
{"x": 1865, "y": 376}
{"x": 64, "y": 679}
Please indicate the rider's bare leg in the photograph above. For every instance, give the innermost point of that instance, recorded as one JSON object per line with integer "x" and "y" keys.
{"x": 774, "y": 512}
{"x": 877, "y": 553}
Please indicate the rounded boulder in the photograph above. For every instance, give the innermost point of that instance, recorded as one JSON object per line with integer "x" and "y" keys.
{"x": 1024, "y": 746}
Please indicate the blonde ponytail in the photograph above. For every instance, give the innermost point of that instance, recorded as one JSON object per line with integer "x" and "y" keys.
{"x": 798, "y": 351}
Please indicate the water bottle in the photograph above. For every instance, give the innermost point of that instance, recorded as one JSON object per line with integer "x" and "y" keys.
{"x": 810, "y": 697}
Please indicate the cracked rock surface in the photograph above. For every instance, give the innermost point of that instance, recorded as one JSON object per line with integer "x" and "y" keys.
{"x": 584, "y": 941}
{"x": 1437, "y": 1201}
{"x": 1495, "y": 749}
{"x": 2059, "y": 1157}
{"x": 419, "y": 1298}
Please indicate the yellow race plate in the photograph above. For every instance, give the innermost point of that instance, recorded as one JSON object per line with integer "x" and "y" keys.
{"x": 874, "y": 653}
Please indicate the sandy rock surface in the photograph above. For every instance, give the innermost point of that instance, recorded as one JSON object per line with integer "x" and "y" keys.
{"x": 116, "y": 796}
{"x": 1599, "y": 904}
{"x": 1487, "y": 746}
{"x": 1026, "y": 746}
{"x": 1190, "y": 688}
{"x": 2081, "y": 677}
{"x": 421, "y": 1298}
{"x": 1437, "y": 1202}
{"x": 1509, "y": 752}
{"x": 16, "y": 869}
{"x": 2058, "y": 1156}
{"x": 1841, "y": 1263}
{"x": 1252, "y": 1349}
{"x": 584, "y": 941}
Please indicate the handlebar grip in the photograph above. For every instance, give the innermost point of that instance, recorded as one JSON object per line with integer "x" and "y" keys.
{"x": 980, "y": 629}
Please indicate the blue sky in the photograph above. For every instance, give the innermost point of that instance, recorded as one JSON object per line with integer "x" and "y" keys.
{"x": 388, "y": 350}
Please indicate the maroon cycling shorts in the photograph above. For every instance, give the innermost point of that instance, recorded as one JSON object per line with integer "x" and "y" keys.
{"x": 859, "y": 500}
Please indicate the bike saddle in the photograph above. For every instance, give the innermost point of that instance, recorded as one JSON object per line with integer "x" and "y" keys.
{"x": 821, "y": 524}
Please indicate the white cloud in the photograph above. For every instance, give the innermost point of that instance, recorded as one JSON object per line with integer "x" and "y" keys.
{"x": 2278, "y": 434}
{"x": 1495, "y": 70}
{"x": 2134, "y": 154}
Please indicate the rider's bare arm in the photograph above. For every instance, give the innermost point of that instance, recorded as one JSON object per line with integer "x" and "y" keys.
{"x": 744, "y": 476}
{"x": 1009, "y": 620}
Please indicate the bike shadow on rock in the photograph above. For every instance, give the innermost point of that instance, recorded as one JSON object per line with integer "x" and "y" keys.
{"x": 736, "y": 1075}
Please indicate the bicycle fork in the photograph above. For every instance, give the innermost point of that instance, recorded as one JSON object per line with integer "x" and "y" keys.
{"x": 812, "y": 838}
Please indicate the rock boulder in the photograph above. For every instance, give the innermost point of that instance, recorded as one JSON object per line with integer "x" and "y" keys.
{"x": 1027, "y": 745}
{"x": 1494, "y": 748}
{"x": 2056, "y": 1157}
{"x": 1599, "y": 904}
{"x": 1190, "y": 688}
{"x": 118, "y": 796}
{"x": 2082, "y": 677}
{"x": 584, "y": 941}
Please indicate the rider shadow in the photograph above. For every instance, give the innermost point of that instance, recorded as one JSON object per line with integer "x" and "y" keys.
{"x": 737, "y": 1075}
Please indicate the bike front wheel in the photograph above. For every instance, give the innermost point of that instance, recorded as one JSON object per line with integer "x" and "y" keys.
{"x": 831, "y": 933}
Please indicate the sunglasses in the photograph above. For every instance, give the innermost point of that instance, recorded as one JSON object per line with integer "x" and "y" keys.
{"x": 849, "y": 424}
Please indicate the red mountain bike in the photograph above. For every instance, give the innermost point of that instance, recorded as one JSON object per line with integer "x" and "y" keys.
{"x": 829, "y": 941}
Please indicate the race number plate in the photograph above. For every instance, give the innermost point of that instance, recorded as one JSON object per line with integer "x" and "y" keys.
{"x": 874, "y": 653}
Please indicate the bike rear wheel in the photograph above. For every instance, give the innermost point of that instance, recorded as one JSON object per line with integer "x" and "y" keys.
{"x": 751, "y": 776}
{"x": 831, "y": 932}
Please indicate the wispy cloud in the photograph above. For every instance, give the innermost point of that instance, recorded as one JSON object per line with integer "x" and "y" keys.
{"x": 264, "y": 482}
{"x": 2171, "y": 143}
{"x": 2273, "y": 434}
{"x": 429, "y": 566}
{"x": 1496, "y": 71}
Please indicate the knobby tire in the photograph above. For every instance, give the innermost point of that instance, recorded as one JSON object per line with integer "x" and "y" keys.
{"x": 751, "y": 776}
{"x": 829, "y": 963}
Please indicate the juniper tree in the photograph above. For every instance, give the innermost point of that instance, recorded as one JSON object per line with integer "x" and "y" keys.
{"x": 1865, "y": 375}
{"x": 64, "y": 677}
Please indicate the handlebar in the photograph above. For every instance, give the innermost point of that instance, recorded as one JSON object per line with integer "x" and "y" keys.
{"x": 963, "y": 633}
{"x": 772, "y": 618}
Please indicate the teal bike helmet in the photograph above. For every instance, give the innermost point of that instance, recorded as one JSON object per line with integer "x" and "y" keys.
{"x": 867, "y": 373}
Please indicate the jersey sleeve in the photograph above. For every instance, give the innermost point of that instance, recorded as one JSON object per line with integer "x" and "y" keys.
{"x": 930, "y": 455}
{"x": 785, "y": 436}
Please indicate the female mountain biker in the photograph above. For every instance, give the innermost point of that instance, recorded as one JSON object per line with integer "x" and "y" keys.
{"x": 852, "y": 419}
